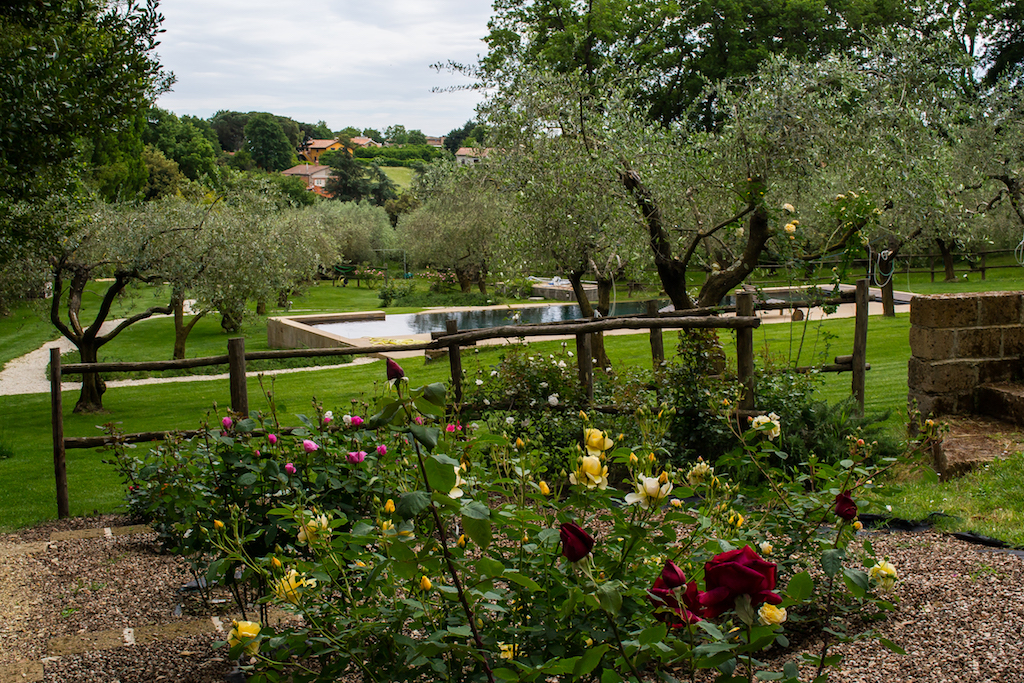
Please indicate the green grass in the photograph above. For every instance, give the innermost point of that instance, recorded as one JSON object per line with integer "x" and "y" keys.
{"x": 985, "y": 501}
{"x": 26, "y": 478}
{"x": 401, "y": 175}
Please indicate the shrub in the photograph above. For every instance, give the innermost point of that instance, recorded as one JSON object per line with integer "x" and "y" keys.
{"x": 445, "y": 552}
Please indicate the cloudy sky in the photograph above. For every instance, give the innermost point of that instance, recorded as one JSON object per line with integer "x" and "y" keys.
{"x": 363, "y": 63}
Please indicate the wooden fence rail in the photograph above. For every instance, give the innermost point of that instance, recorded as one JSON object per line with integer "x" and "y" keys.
{"x": 451, "y": 340}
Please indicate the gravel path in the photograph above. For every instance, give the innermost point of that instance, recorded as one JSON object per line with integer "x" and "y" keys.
{"x": 960, "y": 615}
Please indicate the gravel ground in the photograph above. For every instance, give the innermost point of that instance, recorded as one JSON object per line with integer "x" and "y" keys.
{"x": 960, "y": 615}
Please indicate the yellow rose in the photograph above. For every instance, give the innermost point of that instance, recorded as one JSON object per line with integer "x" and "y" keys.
{"x": 287, "y": 587}
{"x": 649, "y": 491}
{"x": 591, "y": 473}
{"x": 245, "y": 633}
{"x": 389, "y": 507}
{"x": 425, "y": 584}
{"x": 770, "y": 615}
{"x": 544, "y": 489}
{"x": 317, "y": 526}
{"x": 884, "y": 574}
{"x": 596, "y": 442}
{"x": 217, "y": 524}
{"x": 507, "y": 651}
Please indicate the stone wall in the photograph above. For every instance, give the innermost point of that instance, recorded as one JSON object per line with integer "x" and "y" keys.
{"x": 959, "y": 342}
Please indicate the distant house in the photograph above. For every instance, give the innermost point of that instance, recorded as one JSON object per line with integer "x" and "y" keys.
{"x": 434, "y": 141}
{"x": 312, "y": 151}
{"x": 467, "y": 156}
{"x": 315, "y": 175}
{"x": 362, "y": 141}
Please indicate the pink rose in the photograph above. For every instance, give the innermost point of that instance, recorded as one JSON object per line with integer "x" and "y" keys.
{"x": 310, "y": 446}
{"x": 418, "y": 420}
{"x": 382, "y": 450}
{"x": 272, "y": 439}
{"x": 356, "y": 457}
{"x": 227, "y": 422}
{"x": 356, "y": 420}
{"x": 289, "y": 468}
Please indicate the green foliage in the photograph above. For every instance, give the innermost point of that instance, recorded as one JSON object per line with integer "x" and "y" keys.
{"x": 428, "y": 548}
{"x": 266, "y": 141}
{"x": 392, "y": 289}
{"x": 72, "y": 71}
{"x": 351, "y": 181}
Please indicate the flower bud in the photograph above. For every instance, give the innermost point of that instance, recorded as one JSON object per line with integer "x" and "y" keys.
{"x": 544, "y": 489}
{"x": 462, "y": 541}
{"x": 663, "y": 479}
{"x": 389, "y": 507}
{"x": 425, "y": 584}
{"x": 217, "y": 524}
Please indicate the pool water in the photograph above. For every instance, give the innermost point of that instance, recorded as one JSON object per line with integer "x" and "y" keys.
{"x": 404, "y": 324}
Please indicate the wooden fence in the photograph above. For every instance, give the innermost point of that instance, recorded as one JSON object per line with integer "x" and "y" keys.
{"x": 453, "y": 340}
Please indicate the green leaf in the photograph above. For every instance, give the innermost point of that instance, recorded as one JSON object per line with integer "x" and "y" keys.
{"x": 800, "y": 587}
{"x": 425, "y": 435}
{"x": 412, "y": 504}
{"x": 856, "y": 581}
{"x": 488, "y": 566}
{"x": 791, "y": 670}
{"x": 428, "y": 408}
{"x": 385, "y": 416}
{"x": 589, "y": 661}
{"x": 476, "y": 510}
{"x": 609, "y": 598}
{"x": 610, "y": 676}
{"x": 892, "y": 646}
{"x": 436, "y": 393}
{"x": 653, "y": 634}
{"x": 246, "y": 425}
{"x": 441, "y": 472}
{"x": 478, "y": 529}
{"x": 247, "y": 479}
{"x": 524, "y": 581}
{"x": 832, "y": 561}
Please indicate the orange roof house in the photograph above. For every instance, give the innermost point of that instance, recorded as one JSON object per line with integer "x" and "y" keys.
{"x": 315, "y": 175}
{"x": 314, "y": 148}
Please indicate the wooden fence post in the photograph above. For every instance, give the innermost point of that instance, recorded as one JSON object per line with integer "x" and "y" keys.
{"x": 237, "y": 381}
{"x": 455, "y": 360}
{"x": 745, "y": 350}
{"x": 585, "y": 362}
{"x": 657, "y": 342}
{"x": 60, "y": 471}
{"x": 860, "y": 344}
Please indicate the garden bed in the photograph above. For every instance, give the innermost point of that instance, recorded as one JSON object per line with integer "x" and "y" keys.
{"x": 959, "y": 615}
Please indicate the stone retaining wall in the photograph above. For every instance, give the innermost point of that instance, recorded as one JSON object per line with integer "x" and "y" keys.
{"x": 959, "y": 342}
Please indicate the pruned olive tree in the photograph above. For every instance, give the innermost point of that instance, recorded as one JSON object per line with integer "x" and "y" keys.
{"x": 455, "y": 226}
{"x": 124, "y": 244}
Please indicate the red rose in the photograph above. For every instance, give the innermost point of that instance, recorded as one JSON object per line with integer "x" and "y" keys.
{"x": 576, "y": 543}
{"x": 666, "y": 593}
{"x": 845, "y": 507}
{"x": 735, "y": 573}
{"x": 395, "y": 370}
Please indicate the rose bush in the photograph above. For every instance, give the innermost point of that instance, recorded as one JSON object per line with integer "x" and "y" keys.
{"x": 475, "y": 554}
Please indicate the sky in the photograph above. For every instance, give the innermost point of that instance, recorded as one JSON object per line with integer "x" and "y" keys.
{"x": 362, "y": 63}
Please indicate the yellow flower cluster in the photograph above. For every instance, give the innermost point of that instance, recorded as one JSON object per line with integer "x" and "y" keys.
{"x": 287, "y": 587}
{"x": 768, "y": 424}
{"x": 591, "y": 473}
{"x": 318, "y": 526}
{"x": 650, "y": 491}
{"x": 700, "y": 473}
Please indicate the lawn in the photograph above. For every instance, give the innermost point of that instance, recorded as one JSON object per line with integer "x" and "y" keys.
{"x": 26, "y": 481}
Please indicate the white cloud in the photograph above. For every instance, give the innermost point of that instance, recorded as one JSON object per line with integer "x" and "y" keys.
{"x": 365, "y": 64}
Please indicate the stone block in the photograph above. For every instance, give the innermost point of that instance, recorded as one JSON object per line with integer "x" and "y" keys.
{"x": 1013, "y": 342}
{"x": 1004, "y": 370}
{"x": 999, "y": 308}
{"x": 930, "y": 343}
{"x": 936, "y": 404}
{"x": 979, "y": 342}
{"x": 941, "y": 377}
{"x": 944, "y": 310}
{"x": 1003, "y": 401}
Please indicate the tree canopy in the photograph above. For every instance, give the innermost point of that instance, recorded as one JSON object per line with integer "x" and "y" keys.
{"x": 70, "y": 70}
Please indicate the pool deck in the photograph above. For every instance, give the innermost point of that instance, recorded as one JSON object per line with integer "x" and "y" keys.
{"x": 902, "y": 302}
